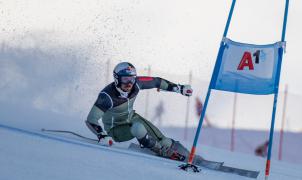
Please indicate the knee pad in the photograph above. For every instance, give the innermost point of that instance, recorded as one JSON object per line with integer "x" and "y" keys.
{"x": 138, "y": 130}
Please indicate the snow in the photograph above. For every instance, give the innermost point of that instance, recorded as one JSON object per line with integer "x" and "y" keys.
{"x": 28, "y": 153}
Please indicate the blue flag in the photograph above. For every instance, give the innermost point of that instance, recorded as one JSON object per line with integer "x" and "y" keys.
{"x": 247, "y": 68}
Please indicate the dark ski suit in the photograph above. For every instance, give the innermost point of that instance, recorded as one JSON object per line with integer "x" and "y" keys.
{"x": 117, "y": 113}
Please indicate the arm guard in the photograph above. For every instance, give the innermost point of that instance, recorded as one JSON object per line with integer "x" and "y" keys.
{"x": 156, "y": 82}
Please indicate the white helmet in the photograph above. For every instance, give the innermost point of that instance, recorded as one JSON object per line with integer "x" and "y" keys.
{"x": 124, "y": 72}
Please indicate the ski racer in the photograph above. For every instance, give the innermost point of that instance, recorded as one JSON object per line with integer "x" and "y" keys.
{"x": 114, "y": 106}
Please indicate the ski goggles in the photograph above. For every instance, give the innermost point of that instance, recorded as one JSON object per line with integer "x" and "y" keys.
{"x": 128, "y": 79}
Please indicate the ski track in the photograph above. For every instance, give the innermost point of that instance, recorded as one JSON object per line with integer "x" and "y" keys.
{"x": 34, "y": 155}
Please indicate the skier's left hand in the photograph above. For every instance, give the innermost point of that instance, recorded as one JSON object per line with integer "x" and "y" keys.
{"x": 185, "y": 90}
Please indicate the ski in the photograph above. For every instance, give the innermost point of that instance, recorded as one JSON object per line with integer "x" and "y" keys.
{"x": 212, "y": 165}
{"x": 238, "y": 171}
{"x": 200, "y": 162}
{"x": 135, "y": 147}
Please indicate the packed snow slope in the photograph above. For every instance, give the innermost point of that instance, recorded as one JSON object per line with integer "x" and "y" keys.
{"x": 28, "y": 153}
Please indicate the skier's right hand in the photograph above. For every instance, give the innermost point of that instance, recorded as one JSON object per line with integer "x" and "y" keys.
{"x": 105, "y": 139}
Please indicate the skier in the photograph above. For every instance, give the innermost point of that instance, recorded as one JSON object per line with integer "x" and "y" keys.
{"x": 114, "y": 106}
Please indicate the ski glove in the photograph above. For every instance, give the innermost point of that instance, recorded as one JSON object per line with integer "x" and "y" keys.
{"x": 105, "y": 139}
{"x": 185, "y": 90}
{"x": 102, "y": 135}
